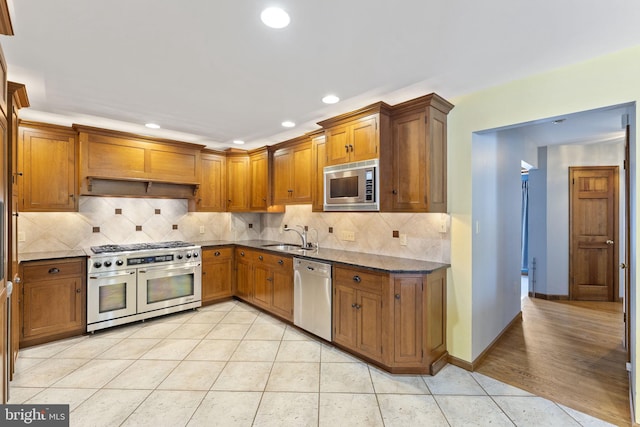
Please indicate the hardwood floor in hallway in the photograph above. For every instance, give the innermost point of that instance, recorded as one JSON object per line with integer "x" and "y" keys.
{"x": 567, "y": 351}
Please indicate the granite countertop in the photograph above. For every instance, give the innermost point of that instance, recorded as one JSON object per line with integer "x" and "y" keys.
{"x": 387, "y": 264}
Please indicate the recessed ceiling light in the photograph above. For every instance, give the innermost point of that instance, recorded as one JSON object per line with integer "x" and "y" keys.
{"x": 288, "y": 124}
{"x": 238, "y": 141}
{"x": 152, "y": 126}
{"x": 275, "y": 17}
{"x": 330, "y": 99}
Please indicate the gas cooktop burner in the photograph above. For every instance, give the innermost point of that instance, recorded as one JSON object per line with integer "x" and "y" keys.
{"x": 139, "y": 247}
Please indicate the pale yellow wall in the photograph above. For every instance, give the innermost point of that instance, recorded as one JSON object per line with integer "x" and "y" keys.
{"x": 609, "y": 80}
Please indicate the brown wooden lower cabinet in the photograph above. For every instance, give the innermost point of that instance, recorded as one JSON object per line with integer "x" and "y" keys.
{"x": 53, "y": 300}
{"x": 394, "y": 320}
{"x": 266, "y": 280}
{"x": 217, "y": 274}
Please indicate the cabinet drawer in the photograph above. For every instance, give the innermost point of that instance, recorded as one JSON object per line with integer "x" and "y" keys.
{"x": 213, "y": 254}
{"x": 274, "y": 260}
{"x": 52, "y": 270}
{"x": 359, "y": 279}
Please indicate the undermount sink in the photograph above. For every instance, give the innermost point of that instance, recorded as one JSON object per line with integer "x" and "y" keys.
{"x": 284, "y": 247}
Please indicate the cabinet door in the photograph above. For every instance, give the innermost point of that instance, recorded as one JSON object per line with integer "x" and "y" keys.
{"x": 410, "y": 163}
{"x": 217, "y": 270}
{"x": 282, "y": 301}
{"x": 282, "y": 176}
{"x": 337, "y": 140}
{"x": 244, "y": 277}
{"x": 237, "y": 184}
{"x": 301, "y": 174}
{"x": 363, "y": 144}
{"x": 317, "y": 171}
{"x": 369, "y": 325}
{"x": 407, "y": 323}
{"x": 262, "y": 286}
{"x": 48, "y": 171}
{"x": 344, "y": 315}
{"x": 212, "y": 193}
{"x": 52, "y": 307}
{"x": 259, "y": 171}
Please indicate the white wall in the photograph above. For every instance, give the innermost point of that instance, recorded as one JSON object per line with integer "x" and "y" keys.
{"x": 497, "y": 238}
{"x": 538, "y": 225}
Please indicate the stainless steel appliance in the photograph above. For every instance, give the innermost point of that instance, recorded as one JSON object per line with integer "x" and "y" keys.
{"x": 312, "y": 297}
{"x": 352, "y": 186}
{"x": 134, "y": 282}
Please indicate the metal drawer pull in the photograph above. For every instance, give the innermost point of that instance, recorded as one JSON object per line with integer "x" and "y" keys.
{"x": 78, "y": 291}
{"x": 397, "y": 296}
{"x": 353, "y": 305}
{"x": 357, "y": 279}
{"x": 280, "y": 262}
{"x": 242, "y": 253}
{"x": 260, "y": 257}
{"x": 216, "y": 253}
{"x": 54, "y": 270}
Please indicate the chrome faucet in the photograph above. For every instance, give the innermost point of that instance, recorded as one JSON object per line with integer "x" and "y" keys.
{"x": 302, "y": 235}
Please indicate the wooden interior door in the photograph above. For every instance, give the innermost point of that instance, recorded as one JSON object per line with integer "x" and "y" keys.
{"x": 593, "y": 228}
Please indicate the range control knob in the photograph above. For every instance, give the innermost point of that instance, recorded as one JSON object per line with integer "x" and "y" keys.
{"x": 195, "y": 254}
{"x": 97, "y": 264}
{"x": 119, "y": 262}
{"x": 188, "y": 255}
{"x": 179, "y": 256}
{"x": 107, "y": 263}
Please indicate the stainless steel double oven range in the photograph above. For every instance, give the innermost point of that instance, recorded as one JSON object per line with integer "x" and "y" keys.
{"x": 139, "y": 281}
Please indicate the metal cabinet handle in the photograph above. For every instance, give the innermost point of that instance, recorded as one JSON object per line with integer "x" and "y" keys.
{"x": 54, "y": 270}
{"x": 242, "y": 253}
{"x": 216, "y": 253}
{"x": 353, "y": 305}
{"x": 260, "y": 258}
{"x": 357, "y": 279}
{"x": 394, "y": 192}
{"x": 346, "y": 147}
{"x": 269, "y": 279}
{"x": 78, "y": 291}
{"x": 280, "y": 262}
{"x": 358, "y": 306}
{"x": 351, "y": 148}
{"x": 609, "y": 242}
{"x": 397, "y": 296}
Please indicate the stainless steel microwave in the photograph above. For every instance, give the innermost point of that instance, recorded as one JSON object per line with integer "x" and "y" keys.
{"x": 352, "y": 186}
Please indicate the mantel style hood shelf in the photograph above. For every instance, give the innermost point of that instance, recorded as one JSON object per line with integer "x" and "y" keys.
{"x": 138, "y": 187}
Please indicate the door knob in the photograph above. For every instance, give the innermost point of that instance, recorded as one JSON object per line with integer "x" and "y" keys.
{"x": 609, "y": 242}
{"x": 623, "y": 265}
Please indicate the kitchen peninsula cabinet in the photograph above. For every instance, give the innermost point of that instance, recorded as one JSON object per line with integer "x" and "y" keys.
{"x": 212, "y": 194}
{"x": 394, "y": 320}
{"x": 415, "y": 163}
{"x": 356, "y": 136}
{"x": 47, "y": 168}
{"x": 266, "y": 280}
{"x": 292, "y": 172}
{"x": 53, "y": 300}
{"x": 217, "y": 274}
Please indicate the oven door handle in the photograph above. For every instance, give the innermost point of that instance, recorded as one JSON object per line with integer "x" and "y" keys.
{"x": 110, "y": 275}
{"x": 165, "y": 268}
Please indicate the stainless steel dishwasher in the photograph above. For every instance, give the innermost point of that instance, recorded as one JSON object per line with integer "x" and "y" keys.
{"x": 312, "y": 297}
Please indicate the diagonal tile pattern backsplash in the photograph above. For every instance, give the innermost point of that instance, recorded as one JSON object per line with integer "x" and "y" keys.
{"x": 53, "y": 231}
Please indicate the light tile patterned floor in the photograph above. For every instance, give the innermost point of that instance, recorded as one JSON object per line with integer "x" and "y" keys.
{"x": 230, "y": 365}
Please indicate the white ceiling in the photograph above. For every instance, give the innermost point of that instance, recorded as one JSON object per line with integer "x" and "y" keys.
{"x": 208, "y": 71}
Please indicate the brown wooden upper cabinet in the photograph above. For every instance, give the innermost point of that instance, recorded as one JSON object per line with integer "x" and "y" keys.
{"x": 292, "y": 172}
{"x": 119, "y": 163}
{"x": 212, "y": 194}
{"x": 260, "y": 185}
{"x": 355, "y": 136}
{"x": 237, "y": 181}
{"x": 47, "y": 168}
{"x": 413, "y": 167}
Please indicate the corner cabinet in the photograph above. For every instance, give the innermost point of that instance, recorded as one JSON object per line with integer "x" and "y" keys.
{"x": 212, "y": 194}
{"x": 394, "y": 320}
{"x": 47, "y": 168}
{"x": 414, "y": 164}
{"x": 217, "y": 274}
{"x": 53, "y": 302}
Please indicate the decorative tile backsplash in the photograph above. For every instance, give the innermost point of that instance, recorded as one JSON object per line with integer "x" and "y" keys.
{"x": 104, "y": 220}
